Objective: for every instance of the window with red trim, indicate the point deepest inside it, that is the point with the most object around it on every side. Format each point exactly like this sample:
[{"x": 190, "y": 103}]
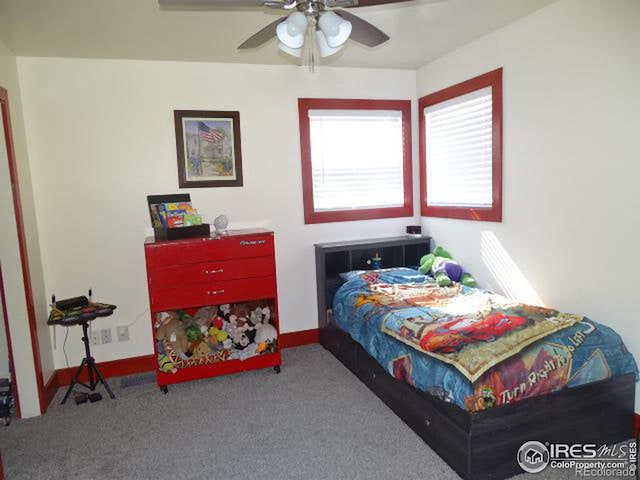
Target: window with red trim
[
  {"x": 461, "y": 150},
  {"x": 356, "y": 159}
]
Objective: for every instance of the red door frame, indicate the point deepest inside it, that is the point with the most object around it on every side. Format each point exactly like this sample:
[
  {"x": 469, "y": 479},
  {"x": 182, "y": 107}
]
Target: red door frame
[
  {"x": 22, "y": 243},
  {"x": 14, "y": 381}
]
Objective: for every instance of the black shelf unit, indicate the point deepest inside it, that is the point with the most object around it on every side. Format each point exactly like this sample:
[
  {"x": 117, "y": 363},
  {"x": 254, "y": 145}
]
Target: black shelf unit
[{"x": 335, "y": 258}]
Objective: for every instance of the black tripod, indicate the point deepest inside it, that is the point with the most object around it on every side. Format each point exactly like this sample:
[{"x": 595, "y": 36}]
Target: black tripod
[{"x": 95, "y": 377}]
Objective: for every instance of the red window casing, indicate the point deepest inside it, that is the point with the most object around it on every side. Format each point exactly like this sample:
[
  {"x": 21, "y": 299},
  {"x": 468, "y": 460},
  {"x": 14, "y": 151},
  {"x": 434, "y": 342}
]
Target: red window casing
[
  {"x": 491, "y": 79},
  {"x": 310, "y": 215}
]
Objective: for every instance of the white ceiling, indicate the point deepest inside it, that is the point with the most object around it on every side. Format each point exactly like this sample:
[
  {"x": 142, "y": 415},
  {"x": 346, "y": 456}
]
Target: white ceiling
[{"x": 420, "y": 30}]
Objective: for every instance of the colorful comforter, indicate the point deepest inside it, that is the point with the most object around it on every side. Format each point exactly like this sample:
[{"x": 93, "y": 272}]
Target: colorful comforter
[{"x": 471, "y": 347}]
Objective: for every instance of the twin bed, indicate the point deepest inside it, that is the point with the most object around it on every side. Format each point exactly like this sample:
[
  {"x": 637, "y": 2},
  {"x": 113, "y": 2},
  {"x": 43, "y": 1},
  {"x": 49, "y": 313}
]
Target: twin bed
[{"x": 474, "y": 374}]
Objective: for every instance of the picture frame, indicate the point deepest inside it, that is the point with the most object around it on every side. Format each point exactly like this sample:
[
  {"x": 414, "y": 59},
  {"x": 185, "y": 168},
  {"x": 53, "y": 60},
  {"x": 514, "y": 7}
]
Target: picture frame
[{"x": 208, "y": 147}]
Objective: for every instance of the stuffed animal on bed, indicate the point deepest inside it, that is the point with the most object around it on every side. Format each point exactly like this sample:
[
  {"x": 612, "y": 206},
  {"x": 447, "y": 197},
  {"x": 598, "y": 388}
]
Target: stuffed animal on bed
[{"x": 445, "y": 269}]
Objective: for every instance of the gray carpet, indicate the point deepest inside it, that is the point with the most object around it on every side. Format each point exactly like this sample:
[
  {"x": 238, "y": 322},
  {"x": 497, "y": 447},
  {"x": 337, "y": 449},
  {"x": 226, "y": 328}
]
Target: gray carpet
[{"x": 315, "y": 421}]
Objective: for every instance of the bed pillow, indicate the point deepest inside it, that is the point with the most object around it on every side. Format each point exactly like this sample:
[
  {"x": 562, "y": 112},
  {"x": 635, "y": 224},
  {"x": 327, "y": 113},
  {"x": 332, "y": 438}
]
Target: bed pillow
[{"x": 387, "y": 275}]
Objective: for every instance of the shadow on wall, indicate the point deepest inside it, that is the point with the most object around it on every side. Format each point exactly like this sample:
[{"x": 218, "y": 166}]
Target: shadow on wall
[{"x": 505, "y": 271}]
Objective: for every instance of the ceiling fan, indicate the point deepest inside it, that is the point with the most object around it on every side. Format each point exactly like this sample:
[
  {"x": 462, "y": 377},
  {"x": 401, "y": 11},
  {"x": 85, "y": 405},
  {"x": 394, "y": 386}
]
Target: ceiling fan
[{"x": 320, "y": 24}]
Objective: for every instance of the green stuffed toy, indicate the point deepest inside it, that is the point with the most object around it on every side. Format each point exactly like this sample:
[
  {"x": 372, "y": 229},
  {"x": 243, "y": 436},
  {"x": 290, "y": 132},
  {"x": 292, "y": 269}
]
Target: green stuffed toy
[
  {"x": 193, "y": 333},
  {"x": 165, "y": 364},
  {"x": 444, "y": 269}
]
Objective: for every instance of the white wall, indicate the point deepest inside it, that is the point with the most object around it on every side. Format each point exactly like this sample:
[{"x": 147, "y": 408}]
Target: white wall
[
  {"x": 10, "y": 255},
  {"x": 571, "y": 227},
  {"x": 101, "y": 137}
]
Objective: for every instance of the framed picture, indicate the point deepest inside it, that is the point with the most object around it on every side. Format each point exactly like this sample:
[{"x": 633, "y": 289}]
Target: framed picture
[{"x": 208, "y": 145}]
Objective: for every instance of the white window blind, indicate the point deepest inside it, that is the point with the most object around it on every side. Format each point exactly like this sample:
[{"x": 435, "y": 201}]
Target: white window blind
[
  {"x": 459, "y": 151},
  {"x": 356, "y": 159}
]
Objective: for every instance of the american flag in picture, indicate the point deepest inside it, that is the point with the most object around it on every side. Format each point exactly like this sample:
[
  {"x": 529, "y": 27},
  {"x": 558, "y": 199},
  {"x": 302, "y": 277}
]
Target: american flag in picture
[{"x": 208, "y": 134}]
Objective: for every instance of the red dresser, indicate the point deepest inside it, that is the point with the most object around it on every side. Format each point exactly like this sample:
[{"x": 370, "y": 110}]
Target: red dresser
[{"x": 198, "y": 272}]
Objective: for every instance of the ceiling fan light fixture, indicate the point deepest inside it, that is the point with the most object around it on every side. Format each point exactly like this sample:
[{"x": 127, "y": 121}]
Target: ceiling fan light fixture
[
  {"x": 323, "y": 47},
  {"x": 335, "y": 28},
  {"x": 294, "y": 52},
  {"x": 291, "y": 32}
]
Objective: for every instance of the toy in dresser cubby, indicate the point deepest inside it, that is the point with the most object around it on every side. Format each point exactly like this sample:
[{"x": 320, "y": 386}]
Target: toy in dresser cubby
[{"x": 214, "y": 305}]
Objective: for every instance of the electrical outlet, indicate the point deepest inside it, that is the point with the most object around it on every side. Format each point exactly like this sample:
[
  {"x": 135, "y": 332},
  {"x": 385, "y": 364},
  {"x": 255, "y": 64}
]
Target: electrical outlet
[
  {"x": 123, "y": 333},
  {"x": 106, "y": 335},
  {"x": 95, "y": 337}
]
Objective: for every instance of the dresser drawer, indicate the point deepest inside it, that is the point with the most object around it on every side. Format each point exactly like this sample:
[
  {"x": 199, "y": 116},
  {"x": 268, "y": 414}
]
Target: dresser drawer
[
  {"x": 212, "y": 293},
  {"x": 209, "y": 248},
  {"x": 191, "y": 273}
]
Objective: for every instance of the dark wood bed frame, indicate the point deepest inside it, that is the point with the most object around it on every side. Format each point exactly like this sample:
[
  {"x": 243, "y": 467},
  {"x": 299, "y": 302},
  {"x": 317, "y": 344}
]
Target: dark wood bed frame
[{"x": 477, "y": 445}]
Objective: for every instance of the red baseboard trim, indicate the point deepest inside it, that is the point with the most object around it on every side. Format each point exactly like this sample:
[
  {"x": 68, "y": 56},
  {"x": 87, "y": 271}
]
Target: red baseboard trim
[
  {"x": 148, "y": 363},
  {"x": 50, "y": 389},
  {"x": 302, "y": 337},
  {"x": 113, "y": 368}
]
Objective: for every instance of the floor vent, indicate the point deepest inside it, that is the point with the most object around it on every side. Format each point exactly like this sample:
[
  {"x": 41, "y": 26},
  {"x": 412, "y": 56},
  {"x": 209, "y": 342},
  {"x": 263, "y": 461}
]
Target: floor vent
[{"x": 136, "y": 380}]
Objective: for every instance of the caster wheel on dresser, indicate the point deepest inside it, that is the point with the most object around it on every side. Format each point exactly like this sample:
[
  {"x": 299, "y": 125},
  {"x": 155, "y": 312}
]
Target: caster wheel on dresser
[
  {"x": 276, "y": 369},
  {"x": 164, "y": 389}
]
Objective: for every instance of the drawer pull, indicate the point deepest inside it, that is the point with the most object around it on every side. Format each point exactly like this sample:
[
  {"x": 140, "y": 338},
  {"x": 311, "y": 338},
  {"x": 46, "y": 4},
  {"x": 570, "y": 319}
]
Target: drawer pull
[
  {"x": 211, "y": 272},
  {"x": 214, "y": 292}
]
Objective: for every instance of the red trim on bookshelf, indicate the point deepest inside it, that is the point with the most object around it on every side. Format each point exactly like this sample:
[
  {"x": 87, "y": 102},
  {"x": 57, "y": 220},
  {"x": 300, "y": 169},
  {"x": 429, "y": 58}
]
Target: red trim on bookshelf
[
  {"x": 148, "y": 363},
  {"x": 302, "y": 337},
  {"x": 310, "y": 215},
  {"x": 491, "y": 79},
  {"x": 22, "y": 244}
]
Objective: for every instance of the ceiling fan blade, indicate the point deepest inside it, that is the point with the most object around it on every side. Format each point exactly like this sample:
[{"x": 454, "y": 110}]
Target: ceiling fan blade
[
  {"x": 363, "y": 32},
  {"x": 370, "y": 3},
  {"x": 263, "y": 36},
  {"x": 208, "y": 4},
  {"x": 340, "y": 3}
]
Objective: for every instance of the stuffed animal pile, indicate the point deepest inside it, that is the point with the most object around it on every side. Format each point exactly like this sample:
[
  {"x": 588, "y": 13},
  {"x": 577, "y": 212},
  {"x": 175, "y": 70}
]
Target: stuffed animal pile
[
  {"x": 214, "y": 333},
  {"x": 444, "y": 269}
]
